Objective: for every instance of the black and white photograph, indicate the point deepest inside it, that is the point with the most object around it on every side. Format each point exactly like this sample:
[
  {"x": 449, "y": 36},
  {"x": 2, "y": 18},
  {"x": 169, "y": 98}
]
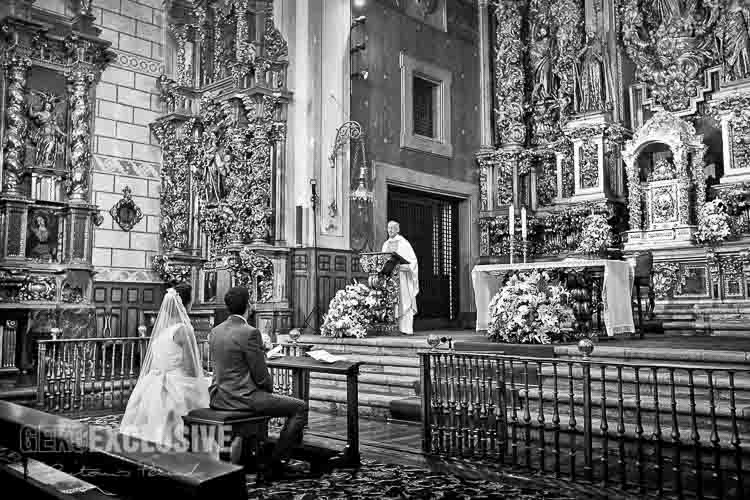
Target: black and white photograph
[{"x": 391, "y": 249}]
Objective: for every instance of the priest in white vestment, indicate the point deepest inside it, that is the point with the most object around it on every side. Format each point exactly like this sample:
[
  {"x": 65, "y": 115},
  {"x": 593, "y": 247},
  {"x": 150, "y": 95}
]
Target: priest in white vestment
[{"x": 408, "y": 278}]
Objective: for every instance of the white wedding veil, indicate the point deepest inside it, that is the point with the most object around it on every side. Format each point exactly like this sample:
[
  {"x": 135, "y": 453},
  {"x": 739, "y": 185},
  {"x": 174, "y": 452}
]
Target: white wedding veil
[{"x": 173, "y": 319}]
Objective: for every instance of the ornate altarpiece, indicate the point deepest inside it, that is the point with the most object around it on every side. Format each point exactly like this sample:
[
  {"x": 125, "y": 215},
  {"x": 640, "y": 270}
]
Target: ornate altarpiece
[
  {"x": 223, "y": 140},
  {"x": 50, "y": 67},
  {"x": 637, "y": 109}
]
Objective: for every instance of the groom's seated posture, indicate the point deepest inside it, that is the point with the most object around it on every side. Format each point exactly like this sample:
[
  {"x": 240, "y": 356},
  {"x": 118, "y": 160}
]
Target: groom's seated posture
[{"x": 241, "y": 381}]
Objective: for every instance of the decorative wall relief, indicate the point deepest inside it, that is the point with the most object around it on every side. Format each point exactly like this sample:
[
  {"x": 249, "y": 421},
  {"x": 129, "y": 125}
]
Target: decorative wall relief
[
  {"x": 38, "y": 289},
  {"x": 179, "y": 144},
  {"x": 509, "y": 73},
  {"x": 666, "y": 277},
  {"x": 546, "y": 184},
  {"x": 589, "y": 167},
  {"x": 125, "y": 212},
  {"x": 254, "y": 271},
  {"x": 671, "y": 43},
  {"x": 171, "y": 272}
]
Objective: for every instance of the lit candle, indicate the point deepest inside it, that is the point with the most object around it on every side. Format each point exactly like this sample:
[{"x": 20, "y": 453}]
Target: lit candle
[
  {"x": 523, "y": 223},
  {"x": 511, "y": 221}
]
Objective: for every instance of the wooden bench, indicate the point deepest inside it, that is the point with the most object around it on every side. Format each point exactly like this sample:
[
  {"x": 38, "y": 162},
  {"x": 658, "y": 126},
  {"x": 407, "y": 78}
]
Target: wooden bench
[
  {"x": 239, "y": 435},
  {"x": 129, "y": 464}
]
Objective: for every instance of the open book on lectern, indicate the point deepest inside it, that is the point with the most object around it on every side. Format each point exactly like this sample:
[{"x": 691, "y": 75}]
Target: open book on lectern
[{"x": 392, "y": 262}]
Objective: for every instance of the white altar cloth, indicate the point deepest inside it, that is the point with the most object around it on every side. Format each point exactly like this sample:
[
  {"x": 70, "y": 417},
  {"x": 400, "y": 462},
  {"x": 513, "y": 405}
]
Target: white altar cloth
[{"x": 616, "y": 289}]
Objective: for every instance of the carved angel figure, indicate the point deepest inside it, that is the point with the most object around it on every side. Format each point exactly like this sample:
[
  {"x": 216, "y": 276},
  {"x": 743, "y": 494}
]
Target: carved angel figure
[{"x": 48, "y": 136}]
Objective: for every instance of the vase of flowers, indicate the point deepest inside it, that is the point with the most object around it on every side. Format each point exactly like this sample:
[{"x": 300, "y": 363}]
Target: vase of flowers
[
  {"x": 596, "y": 236},
  {"x": 530, "y": 309},
  {"x": 713, "y": 224}
]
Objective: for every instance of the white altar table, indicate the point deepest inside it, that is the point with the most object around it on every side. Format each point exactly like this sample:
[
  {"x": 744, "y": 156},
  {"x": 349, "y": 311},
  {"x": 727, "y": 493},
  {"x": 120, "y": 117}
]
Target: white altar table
[{"x": 616, "y": 288}]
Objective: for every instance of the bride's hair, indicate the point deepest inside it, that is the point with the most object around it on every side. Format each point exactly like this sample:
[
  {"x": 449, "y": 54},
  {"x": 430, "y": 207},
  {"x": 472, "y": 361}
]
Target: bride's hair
[{"x": 185, "y": 291}]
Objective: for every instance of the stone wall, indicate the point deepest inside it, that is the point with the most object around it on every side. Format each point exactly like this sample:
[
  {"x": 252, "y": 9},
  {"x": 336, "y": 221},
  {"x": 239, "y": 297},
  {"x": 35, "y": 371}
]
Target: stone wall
[{"x": 125, "y": 153}]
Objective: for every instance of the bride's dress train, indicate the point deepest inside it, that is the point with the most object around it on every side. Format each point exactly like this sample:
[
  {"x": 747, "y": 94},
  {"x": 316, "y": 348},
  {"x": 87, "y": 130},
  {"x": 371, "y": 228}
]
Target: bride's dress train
[{"x": 164, "y": 395}]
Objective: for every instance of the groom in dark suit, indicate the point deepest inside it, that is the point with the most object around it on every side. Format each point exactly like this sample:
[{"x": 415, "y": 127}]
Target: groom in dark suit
[{"x": 241, "y": 381}]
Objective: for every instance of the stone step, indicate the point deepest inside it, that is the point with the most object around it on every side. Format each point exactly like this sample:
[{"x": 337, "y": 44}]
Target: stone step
[
  {"x": 667, "y": 356},
  {"x": 379, "y": 387},
  {"x": 724, "y": 431},
  {"x": 333, "y": 400},
  {"x": 648, "y": 406}
]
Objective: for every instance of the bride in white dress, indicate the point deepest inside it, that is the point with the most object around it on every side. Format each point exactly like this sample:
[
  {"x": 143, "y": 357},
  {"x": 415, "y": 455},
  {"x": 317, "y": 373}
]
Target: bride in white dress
[{"x": 171, "y": 382}]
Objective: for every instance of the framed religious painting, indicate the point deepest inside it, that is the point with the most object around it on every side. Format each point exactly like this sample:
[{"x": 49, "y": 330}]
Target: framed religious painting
[{"x": 42, "y": 235}]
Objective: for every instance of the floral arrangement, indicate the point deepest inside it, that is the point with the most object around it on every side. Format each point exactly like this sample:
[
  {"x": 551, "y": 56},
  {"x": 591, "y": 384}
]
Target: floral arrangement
[
  {"x": 529, "y": 309},
  {"x": 350, "y": 312},
  {"x": 596, "y": 234},
  {"x": 714, "y": 224},
  {"x": 169, "y": 272}
]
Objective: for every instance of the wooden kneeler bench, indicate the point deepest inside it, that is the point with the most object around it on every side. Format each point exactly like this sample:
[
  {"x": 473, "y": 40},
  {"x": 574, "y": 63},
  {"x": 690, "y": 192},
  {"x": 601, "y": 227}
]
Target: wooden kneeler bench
[{"x": 239, "y": 435}]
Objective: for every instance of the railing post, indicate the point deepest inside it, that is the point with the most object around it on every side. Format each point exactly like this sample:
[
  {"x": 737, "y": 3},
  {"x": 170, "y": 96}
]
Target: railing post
[
  {"x": 586, "y": 346},
  {"x": 41, "y": 370},
  {"x": 424, "y": 362}
]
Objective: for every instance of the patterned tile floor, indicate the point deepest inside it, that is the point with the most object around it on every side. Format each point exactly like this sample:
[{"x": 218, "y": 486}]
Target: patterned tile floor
[{"x": 392, "y": 467}]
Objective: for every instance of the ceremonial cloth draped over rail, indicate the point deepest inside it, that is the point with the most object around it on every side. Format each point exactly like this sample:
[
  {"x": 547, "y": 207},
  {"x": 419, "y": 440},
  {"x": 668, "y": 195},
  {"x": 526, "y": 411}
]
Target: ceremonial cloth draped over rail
[{"x": 616, "y": 288}]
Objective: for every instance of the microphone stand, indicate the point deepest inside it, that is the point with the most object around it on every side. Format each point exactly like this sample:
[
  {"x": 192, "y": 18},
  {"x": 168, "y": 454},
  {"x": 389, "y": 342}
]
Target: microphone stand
[{"x": 316, "y": 290}]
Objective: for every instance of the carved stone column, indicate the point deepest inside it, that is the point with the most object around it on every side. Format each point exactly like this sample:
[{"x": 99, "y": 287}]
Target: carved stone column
[
  {"x": 180, "y": 33},
  {"x": 485, "y": 96},
  {"x": 509, "y": 75},
  {"x": 80, "y": 77},
  {"x": 16, "y": 125}
]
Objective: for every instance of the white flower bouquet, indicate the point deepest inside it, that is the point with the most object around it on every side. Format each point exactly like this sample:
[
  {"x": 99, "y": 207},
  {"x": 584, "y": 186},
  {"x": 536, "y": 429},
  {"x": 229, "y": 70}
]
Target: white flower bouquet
[
  {"x": 350, "y": 312},
  {"x": 713, "y": 224},
  {"x": 529, "y": 309},
  {"x": 596, "y": 234}
]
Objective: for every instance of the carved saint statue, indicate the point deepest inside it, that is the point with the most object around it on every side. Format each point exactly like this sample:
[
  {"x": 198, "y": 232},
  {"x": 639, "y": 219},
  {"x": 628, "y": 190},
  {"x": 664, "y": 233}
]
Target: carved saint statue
[
  {"x": 736, "y": 43},
  {"x": 48, "y": 136},
  {"x": 541, "y": 63},
  {"x": 591, "y": 80},
  {"x": 213, "y": 175}
]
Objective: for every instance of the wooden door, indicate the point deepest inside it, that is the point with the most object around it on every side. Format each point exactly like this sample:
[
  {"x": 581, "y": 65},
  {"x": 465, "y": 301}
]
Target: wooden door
[{"x": 430, "y": 224}]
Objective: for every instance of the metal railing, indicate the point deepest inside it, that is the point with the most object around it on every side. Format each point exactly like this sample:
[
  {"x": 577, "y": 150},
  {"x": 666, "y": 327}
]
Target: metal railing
[
  {"x": 76, "y": 375},
  {"x": 656, "y": 428},
  {"x": 94, "y": 374}
]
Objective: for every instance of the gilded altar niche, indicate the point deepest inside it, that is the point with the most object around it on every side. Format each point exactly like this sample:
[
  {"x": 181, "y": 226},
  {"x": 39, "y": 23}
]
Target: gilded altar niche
[
  {"x": 223, "y": 138},
  {"x": 50, "y": 68}
]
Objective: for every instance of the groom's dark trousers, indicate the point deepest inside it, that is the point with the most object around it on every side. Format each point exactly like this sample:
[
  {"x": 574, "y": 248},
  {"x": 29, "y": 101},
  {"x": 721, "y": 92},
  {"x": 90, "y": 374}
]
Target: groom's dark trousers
[{"x": 241, "y": 382}]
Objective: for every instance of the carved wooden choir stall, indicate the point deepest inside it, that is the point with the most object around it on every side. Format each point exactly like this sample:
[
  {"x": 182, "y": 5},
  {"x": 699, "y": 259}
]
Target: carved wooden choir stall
[{"x": 49, "y": 71}]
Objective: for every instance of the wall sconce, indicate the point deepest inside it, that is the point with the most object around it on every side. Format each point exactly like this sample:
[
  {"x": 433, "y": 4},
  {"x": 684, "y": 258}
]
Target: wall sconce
[
  {"x": 363, "y": 74},
  {"x": 126, "y": 213}
]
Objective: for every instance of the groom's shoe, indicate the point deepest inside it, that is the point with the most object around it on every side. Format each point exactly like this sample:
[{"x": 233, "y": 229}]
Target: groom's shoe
[{"x": 276, "y": 471}]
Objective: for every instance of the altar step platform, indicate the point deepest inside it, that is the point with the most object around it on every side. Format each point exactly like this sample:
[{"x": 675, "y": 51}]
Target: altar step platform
[{"x": 389, "y": 379}]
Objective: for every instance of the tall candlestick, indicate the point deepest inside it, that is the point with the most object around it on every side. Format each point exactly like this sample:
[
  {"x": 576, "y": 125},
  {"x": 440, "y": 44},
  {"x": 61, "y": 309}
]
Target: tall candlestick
[
  {"x": 511, "y": 221},
  {"x": 511, "y": 229},
  {"x": 523, "y": 223}
]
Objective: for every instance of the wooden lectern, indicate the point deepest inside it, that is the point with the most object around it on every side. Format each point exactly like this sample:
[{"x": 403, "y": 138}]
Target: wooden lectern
[{"x": 383, "y": 271}]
